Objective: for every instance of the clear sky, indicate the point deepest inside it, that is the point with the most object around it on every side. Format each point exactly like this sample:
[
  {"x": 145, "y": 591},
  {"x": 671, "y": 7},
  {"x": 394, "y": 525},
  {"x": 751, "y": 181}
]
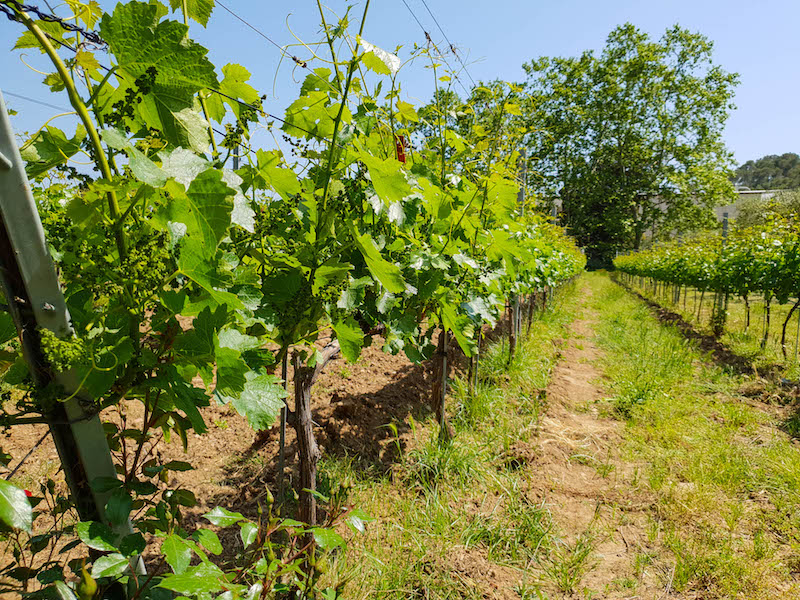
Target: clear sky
[{"x": 759, "y": 40}]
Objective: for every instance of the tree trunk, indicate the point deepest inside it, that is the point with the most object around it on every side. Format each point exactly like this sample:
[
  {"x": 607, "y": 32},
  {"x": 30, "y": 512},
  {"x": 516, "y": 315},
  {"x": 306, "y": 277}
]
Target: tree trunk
[
  {"x": 766, "y": 322},
  {"x": 512, "y": 333},
  {"x": 308, "y": 450},
  {"x": 746, "y": 299},
  {"x": 700, "y": 307},
  {"x": 785, "y": 325},
  {"x": 531, "y": 309},
  {"x": 439, "y": 388}
]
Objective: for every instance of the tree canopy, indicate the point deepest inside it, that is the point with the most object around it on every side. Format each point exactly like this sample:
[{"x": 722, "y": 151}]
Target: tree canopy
[
  {"x": 771, "y": 172},
  {"x": 630, "y": 139}
]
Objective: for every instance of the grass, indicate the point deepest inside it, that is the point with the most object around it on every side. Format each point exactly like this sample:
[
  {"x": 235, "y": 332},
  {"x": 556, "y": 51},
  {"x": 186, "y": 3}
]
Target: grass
[
  {"x": 743, "y": 339},
  {"x": 463, "y": 497},
  {"x": 725, "y": 479}
]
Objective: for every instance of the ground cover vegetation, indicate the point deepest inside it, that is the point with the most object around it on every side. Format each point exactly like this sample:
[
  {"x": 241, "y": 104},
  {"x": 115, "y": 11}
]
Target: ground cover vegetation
[
  {"x": 189, "y": 283},
  {"x": 725, "y": 274},
  {"x": 570, "y": 446},
  {"x": 715, "y": 446}
]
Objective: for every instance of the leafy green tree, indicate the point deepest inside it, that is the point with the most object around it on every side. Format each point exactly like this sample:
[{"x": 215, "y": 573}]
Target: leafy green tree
[
  {"x": 771, "y": 172},
  {"x": 630, "y": 139}
]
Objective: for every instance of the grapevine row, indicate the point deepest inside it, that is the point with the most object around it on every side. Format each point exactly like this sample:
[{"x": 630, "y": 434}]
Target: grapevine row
[
  {"x": 763, "y": 259},
  {"x": 367, "y": 217}
]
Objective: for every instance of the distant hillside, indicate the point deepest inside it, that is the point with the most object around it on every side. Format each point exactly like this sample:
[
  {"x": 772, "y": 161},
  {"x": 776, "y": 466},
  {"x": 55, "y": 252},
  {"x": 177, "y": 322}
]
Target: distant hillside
[{"x": 771, "y": 172}]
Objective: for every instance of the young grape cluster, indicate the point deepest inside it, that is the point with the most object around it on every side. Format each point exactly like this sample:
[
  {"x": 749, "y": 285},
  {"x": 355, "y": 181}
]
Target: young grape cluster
[{"x": 123, "y": 109}]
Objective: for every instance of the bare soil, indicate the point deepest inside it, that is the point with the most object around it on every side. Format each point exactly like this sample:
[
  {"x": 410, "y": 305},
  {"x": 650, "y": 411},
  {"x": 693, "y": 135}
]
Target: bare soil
[{"x": 592, "y": 492}]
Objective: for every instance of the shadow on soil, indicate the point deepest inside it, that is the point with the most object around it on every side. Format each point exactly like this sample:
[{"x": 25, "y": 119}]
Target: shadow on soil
[{"x": 369, "y": 429}]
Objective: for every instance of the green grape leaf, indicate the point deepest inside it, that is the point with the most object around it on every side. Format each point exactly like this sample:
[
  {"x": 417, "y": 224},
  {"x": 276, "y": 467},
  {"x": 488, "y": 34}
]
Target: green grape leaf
[
  {"x": 379, "y": 60},
  {"x": 205, "y": 208},
  {"x": 144, "y": 169},
  {"x": 388, "y": 178},
  {"x": 260, "y": 401},
  {"x": 233, "y": 338},
  {"x": 284, "y": 181},
  {"x": 233, "y": 84},
  {"x": 28, "y": 40},
  {"x": 193, "y": 263},
  {"x": 231, "y": 370},
  {"x": 331, "y": 273},
  {"x": 387, "y": 273},
  {"x": 199, "y": 342},
  {"x": 407, "y": 111},
  {"x": 313, "y": 116},
  {"x": 461, "y": 326},
  {"x": 198, "y": 10},
  {"x": 193, "y": 129},
  {"x": 88, "y": 13},
  {"x": 49, "y": 148},
  {"x": 183, "y": 165},
  {"x": 140, "y": 41},
  {"x": 15, "y": 510},
  {"x": 351, "y": 338},
  {"x": 187, "y": 398}
]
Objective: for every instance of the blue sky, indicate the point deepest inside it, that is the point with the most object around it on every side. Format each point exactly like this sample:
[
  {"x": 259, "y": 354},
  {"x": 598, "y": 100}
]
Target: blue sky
[{"x": 759, "y": 40}]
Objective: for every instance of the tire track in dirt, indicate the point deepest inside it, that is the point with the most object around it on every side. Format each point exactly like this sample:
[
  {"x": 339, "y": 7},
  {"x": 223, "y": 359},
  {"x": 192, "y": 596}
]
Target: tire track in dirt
[{"x": 591, "y": 491}]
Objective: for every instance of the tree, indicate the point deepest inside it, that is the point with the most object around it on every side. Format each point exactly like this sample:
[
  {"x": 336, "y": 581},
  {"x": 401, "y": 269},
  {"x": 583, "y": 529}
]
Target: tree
[
  {"x": 771, "y": 172},
  {"x": 630, "y": 140}
]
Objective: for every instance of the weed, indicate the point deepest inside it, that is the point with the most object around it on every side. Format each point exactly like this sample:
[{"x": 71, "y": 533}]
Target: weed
[
  {"x": 441, "y": 460},
  {"x": 566, "y": 564}
]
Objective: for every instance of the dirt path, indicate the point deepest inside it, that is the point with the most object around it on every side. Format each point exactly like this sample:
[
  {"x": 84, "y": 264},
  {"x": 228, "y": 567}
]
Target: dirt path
[{"x": 592, "y": 492}]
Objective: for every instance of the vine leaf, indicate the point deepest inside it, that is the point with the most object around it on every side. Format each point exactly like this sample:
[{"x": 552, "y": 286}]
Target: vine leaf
[
  {"x": 387, "y": 273},
  {"x": 50, "y": 148},
  {"x": 379, "y": 60},
  {"x": 231, "y": 371},
  {"x": 205, "y": 208},
  {"x": 260, "y": 402},
  {"x": 461, "y": 326},
  {"x": 193, "y": 263},
  {"x": 351, "y": 338},
  {"x": 198, "y": 10},
  {"x": 140, "y": 42},
  {"x": 388, "y": 178},
  {"x": 233, "y": 84}
]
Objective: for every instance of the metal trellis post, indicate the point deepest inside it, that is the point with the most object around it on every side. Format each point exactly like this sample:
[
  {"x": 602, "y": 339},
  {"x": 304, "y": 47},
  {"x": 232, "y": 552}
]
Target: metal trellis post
[{"x": 36, "y": 302}]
